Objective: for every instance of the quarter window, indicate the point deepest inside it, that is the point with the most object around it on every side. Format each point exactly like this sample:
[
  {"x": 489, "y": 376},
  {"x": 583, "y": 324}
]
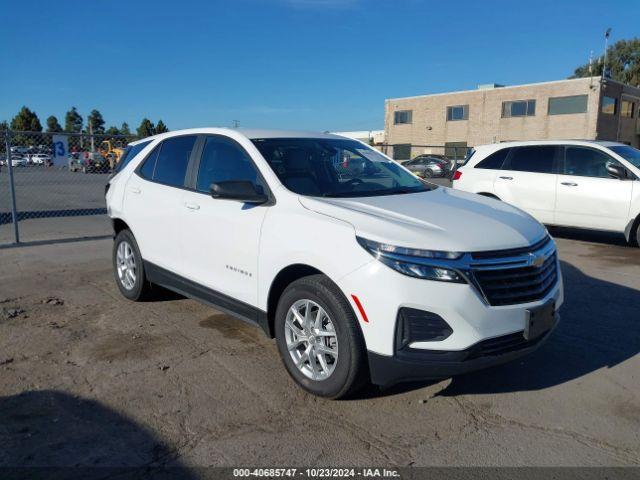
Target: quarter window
[
  {"x": 567, "y": 105},
  {"x": 168, "y": 162},
  {"x": 129, "y": 154},
  {"x": 494, "y": 161},
  {"x": 149, "y": 164},
  {"x": 402, "y": 116},
  {"x": 587, "y": 162},
  {"x": 222, "y": 160},
  {"x": 609, "y": 105},
  {"x": 538, "y": 159},
  {"x": 519, "y": 108},
  {"x": 627, "y": 108},
  {"x": 457, "y": 112}
]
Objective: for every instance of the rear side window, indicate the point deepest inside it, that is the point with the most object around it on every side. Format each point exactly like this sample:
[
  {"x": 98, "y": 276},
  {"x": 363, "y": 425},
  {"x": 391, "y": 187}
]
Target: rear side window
[
  {"x": 222, "y": 160},
  {"x": 538, "y": 159},
  {"x": 169, "y": 161},
  {"x": 129, "y": 154},
  {"x": 494, "y": 161}
]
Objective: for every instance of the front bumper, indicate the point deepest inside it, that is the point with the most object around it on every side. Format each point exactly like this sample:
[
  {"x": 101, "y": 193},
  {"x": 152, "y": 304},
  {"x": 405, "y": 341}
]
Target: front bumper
[{"x": 414, "y": 364}]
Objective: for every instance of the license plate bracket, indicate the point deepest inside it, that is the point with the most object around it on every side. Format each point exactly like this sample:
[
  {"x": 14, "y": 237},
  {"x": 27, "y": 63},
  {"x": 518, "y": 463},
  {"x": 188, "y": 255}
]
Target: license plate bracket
[{"x": 540, "y": 320}]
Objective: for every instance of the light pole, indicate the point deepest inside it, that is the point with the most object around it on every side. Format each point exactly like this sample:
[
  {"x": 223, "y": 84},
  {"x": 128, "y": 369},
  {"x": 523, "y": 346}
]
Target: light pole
[{"x": 606, "y": 42}]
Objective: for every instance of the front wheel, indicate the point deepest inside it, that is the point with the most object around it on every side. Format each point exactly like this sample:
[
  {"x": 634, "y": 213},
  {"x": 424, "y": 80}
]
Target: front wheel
[
  {"x": 319, "y": 339},
  {"x": 428, "y": 173}
]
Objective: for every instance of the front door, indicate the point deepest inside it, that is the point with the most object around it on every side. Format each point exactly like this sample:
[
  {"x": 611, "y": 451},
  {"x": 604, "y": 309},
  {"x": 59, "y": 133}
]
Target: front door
[
  {"x": 587, "y": 196},
  {"x": 221, "y": 238}
]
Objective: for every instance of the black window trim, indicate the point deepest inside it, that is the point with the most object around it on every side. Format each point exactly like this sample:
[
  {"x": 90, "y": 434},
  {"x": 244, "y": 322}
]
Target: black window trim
[
  {"x": 586, "y": 147},
  {"x": 555, "y": 169},
  {"x": 159, "y": 145},
  {"x": 193, "y": 174}
]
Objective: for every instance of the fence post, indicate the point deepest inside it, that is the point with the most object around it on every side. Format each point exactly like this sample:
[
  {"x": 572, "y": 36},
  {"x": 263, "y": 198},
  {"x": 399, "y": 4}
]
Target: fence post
[{"x": 14, "y": 211}]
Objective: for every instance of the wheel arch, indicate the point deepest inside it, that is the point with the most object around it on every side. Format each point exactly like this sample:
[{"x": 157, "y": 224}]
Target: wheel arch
[
  {"x": 118, "y": 225},
  {"x": 489, "y": 195}
]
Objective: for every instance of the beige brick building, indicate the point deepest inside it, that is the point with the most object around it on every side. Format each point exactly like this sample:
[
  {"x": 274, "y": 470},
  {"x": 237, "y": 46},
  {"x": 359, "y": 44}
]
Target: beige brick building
[{"x": 584, "y": 108}]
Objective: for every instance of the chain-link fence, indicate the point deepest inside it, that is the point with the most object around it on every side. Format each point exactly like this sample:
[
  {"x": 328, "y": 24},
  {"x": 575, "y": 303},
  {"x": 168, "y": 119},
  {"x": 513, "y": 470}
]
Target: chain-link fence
[{"x": 52, "y": 184}]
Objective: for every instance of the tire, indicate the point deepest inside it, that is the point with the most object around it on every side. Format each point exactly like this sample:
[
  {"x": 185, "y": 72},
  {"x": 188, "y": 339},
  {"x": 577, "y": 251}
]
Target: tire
[
  {"x": 337, "y": 375},
  {"x": 428, "y": 173},
  {"x": 138, "y": 288},
  {"x": 635, "y": 241}
]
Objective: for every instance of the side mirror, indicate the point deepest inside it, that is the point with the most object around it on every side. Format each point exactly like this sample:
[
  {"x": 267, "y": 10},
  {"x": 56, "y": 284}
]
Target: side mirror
[
  {"x": 616, "y": 171},
  {"x": 241, "y": 191}
]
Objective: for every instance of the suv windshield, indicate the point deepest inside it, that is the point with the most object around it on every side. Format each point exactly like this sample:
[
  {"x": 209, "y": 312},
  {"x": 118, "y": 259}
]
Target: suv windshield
[
  {"x": 630, "y": 154},
  {"x": 335, "y": 168}
]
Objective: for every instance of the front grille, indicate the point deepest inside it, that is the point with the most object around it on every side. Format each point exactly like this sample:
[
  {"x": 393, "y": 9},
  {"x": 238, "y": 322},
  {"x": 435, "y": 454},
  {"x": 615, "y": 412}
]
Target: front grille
[{"x": 509, "y": 281}]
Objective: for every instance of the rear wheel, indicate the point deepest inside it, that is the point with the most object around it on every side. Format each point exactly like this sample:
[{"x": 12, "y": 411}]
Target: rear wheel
[
  {"x": 129, "y": 268},
  {"x": 636, "y": 241},
  {"x": 428, "y": 173},
  {"x": 318, "y": 338}
]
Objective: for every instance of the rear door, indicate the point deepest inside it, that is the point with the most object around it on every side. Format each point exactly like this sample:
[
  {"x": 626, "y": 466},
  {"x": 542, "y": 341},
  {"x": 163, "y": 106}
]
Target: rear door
[
  {"x": 587, "y": 196},
  {"x": 153, "y": 201},
  {"x": 528, "y": 180}
]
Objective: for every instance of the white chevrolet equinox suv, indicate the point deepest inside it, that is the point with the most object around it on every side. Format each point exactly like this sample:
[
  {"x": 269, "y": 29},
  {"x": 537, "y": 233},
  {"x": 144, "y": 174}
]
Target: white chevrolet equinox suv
[
  {"x": 572, "y": 183},
  {"x": 361, "y": 271}
]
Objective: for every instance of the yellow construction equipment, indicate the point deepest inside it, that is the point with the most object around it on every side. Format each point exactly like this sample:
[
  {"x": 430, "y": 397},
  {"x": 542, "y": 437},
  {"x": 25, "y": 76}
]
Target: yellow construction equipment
[{"x": 112, "y": 151}]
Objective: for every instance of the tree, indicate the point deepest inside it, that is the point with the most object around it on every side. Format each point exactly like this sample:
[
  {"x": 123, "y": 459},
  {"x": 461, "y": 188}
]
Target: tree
[
  {"x": 52, "y": 125},
  {"x": 161, "y": 127},
  {"x": 623, "y": 62},
  {"x": 146, "y": 128},
  {"x": 26, "y": 120},
  {"x": 73, "y": 121},
  {"x": 124, "y": 129},
  {"x": 112, "y": 131},
  {"x": 4, "y": 125},
  {"x": 95, "y": 122}
]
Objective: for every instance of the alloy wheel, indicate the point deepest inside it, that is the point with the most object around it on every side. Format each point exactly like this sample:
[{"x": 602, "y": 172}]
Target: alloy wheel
[{"x": 126, "y": 265}]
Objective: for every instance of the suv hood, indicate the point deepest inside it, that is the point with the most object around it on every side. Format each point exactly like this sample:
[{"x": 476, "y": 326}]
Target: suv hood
[{"x": 440, "y": 219}]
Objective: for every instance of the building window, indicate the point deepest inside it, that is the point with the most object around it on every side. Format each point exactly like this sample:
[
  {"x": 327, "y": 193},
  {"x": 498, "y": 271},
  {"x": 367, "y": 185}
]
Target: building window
[
  {"x": 565, "y": 105},
  {"x": 458, "y": 112},
  {"x": 402, "y": 116},
  {"x": 402, "y": 151},
  {"x": 609, "y": 105},
  {"x": 519, "y": 108},
  {"x": 455, "y": 150},
  {"x": 627, "y": 108}
]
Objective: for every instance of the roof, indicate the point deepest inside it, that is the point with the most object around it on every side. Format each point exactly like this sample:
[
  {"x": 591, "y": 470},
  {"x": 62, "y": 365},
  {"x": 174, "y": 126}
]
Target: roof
[
  {"x": 602, "y": 143},
  {"x": 249, "y": 133}
]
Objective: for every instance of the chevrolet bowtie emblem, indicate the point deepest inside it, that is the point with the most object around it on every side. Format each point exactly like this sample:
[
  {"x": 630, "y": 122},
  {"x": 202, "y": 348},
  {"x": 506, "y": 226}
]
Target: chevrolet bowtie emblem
[{"x": 536, "y": 260}]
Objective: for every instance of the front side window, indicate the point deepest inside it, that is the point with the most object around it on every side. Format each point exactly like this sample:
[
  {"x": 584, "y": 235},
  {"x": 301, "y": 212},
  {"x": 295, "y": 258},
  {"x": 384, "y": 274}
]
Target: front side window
[
  {"x": 519, "y": 108},
  {"x": 168, "y": 162},
  {"x": 609, "y": 105},
  {"x": 568, "y": 105},
  {"x": 328, "y": 167},
  {"x": 458, "y": 112},
  {"x": 627, "y": 108},
  {"x": 222, "y": 161},
  {"x": 630, "y": 154},
  {"x": 587, "y": 162},
  {"x": 537, "y": 159},
  {"x": 402, "y": 116}
]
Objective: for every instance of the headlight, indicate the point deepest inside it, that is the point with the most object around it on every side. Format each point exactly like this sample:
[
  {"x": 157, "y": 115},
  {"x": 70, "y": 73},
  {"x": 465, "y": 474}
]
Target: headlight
[{"x": 425, "y": 264}]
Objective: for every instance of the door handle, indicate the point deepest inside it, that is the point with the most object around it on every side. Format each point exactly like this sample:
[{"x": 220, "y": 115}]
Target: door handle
[
  {"x": 135, "y": 190},
  {"x": 506, "y": 178},
  {"x": 569, "y": 184},
  {"x": 192, "y": 206}
]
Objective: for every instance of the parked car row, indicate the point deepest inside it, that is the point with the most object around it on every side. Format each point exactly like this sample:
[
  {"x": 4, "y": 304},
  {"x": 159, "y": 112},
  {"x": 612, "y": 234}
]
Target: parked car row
[
  {"x": 88, "y": 162},
  {"x": 25, "y": 160}
]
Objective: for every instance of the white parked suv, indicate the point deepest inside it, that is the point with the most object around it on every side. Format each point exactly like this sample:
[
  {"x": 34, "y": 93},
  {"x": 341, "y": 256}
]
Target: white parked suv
[
  {"x": 361, "y": 271},
  {"x": 583, "y": 184}
]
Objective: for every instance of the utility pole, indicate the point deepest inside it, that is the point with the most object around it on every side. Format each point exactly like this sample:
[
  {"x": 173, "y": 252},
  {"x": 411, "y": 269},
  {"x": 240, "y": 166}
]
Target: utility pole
[
  {"x": 606, "y": 43},
  {"x": 236, "y": 123}
]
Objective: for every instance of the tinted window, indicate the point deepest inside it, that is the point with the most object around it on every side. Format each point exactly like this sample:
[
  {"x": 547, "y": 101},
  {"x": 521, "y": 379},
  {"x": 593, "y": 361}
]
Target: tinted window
[
  {"x": 630, "y": 154},
  {"x": 495, "y": 160},
  {"x": 222, "y": 160},
  {"x": 564, "y": 105},
  {"x": 532, "y": 159},
  {"x": 173, "y": 159},
  {"x": 149, "y": 164},
  {"x": 458, "y": 112},
  {"x": 587, "y": 162},
  {"x": 402, "y": 116},
  {"x": 129, "y": 154},
  {"x": 609, "y": 105}
]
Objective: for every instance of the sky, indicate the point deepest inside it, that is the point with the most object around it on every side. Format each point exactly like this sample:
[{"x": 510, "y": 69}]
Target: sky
[{"x": 301, "y": 64}]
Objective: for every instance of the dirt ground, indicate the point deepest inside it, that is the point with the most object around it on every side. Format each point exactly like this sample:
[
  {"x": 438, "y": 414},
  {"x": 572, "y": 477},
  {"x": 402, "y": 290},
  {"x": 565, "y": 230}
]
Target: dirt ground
[{"x": 89, "y": 378}]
